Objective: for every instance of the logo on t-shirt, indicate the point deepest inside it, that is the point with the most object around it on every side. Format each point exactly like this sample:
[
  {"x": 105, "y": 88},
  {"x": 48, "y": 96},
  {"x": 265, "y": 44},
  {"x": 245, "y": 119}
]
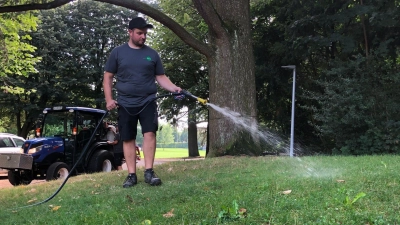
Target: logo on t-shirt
[{"x": 148, "y": 58}]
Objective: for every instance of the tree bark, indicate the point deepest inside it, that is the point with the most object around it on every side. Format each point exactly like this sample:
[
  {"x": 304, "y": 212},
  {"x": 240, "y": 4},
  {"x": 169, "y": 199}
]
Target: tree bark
[
  {"x": 192, "y": 134},
  {"x": 192, "y": 139}
]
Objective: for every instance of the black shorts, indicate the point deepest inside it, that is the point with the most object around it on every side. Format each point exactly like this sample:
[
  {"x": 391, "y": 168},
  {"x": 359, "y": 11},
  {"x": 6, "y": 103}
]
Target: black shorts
[
  {"x": 128, "y": 120},
  {"x": 118, "y": 157}
]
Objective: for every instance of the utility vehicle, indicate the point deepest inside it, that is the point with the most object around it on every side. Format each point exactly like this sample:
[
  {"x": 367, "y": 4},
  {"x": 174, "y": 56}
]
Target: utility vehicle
[{"x": 64, "y": 136}]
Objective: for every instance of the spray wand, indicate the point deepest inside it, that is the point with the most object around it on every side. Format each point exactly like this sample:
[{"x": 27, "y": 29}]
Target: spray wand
[{"x": 201, "y": 100}]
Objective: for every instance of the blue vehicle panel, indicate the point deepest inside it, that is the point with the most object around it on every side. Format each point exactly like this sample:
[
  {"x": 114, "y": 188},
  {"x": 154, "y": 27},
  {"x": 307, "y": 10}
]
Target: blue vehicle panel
[{"x": 47, "y": 146}]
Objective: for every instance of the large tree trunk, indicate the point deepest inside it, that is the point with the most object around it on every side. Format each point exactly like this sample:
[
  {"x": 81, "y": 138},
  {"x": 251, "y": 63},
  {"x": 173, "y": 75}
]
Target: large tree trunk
[{"x": 231, "y": 72}]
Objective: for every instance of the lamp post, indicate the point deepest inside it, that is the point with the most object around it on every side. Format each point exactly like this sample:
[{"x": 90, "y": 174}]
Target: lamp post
[{"x": 293, "y": 67}]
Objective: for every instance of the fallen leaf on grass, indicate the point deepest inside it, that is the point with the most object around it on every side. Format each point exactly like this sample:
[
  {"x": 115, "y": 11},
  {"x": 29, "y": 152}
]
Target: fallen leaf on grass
[
  {"x": 32, "y": 190},
  {"x": 146, "y": 222},
  {"x": 169, "y": 214},
  {"x": 95, "y": 193},
  {"x": 170, "y": 169},
  {"x": 243, "y": 212},
  {"x": 340, "y": 181},
  {"x": 286, "y": 192},
  {"x": 32, "y": 200},
  {"x": 55, "y": 208},
  {"x": 129, "y": 198}
]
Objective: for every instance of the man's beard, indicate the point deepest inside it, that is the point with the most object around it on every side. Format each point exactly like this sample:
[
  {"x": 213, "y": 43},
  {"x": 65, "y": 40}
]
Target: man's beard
[{"x": 138, "y": 43}]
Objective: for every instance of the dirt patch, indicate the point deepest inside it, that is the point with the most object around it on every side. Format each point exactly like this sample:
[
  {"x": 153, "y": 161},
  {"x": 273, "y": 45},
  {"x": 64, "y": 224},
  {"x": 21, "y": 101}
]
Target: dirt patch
[{"x": 4, "y": 183}]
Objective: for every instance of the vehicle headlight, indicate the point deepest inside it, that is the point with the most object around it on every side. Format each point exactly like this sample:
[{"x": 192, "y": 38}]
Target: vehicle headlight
[{"x": 36, "y": 149}]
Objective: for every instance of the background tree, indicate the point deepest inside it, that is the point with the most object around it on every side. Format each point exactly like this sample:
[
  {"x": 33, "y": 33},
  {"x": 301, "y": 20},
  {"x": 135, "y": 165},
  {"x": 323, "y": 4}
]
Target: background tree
[
  {"x": 16, "y": 61},
  {"x": 16, "y": 52},
  {"x": 74, "y": 42},
  {"x": 346, "y": 55},
  {"x": 139, "y": 136},
  {"x": 164, "y": 135},
  {"x": 357, "y": 71},
  {"x": 184, "y": 135},
  {"x": 273, "y": 48}
]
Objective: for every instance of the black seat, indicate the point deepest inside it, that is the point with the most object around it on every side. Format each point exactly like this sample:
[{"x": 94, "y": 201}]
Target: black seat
[{"x": 84, "y": 135}]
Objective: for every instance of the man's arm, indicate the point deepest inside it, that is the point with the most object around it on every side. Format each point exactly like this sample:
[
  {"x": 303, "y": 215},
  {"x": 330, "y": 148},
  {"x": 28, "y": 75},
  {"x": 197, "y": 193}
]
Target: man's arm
[
  {"x": 112, "y": 143},
  {"x": 107, "y": 87},
  {"x": 166, "y": 83}
]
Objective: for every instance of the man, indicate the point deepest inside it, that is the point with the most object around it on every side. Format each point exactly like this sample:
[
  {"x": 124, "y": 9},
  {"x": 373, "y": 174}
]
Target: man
[{"x": 137, "y": 67}]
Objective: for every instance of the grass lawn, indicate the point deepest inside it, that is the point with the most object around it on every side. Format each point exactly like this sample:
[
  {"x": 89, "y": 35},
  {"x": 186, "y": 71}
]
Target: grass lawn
[
  {"x": 227, "y": 190},
  {"x": 162, "y": 153}
]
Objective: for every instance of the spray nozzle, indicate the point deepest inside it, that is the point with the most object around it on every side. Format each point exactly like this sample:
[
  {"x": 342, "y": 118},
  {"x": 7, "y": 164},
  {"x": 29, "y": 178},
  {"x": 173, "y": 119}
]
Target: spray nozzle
[{"x": 202, "y": 101}]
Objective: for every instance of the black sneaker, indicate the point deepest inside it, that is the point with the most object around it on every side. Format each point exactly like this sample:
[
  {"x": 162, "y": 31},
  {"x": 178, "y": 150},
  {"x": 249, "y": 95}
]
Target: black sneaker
[
  {"x": 130, "y": 181},
  {"x": 151, "y": 178}
]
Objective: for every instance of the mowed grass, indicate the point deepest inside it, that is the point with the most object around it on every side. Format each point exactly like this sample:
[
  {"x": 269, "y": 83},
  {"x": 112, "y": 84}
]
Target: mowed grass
[
  {"x": 227, "y": 190},
  {"x": 162, "y": 153}
]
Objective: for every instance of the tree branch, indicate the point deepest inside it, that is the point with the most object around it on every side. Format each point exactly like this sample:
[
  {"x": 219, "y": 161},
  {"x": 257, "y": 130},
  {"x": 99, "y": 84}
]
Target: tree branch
[
  {"x": 136, "y": 5},
  {"x": 210, "y": 16},
  {"x": 28, "y": 7},
  {"x": 159, "y": 16}
]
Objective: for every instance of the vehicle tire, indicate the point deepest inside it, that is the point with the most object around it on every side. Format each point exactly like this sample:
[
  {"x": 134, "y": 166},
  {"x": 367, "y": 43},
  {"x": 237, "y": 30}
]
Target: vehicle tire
[
  {"x": 19, "y": 177},
  {"x": 101, "y": 161},
  {"x": 57, "y": 170}
]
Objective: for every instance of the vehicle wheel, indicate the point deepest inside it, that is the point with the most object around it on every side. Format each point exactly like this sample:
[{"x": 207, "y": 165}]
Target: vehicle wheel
[
  {"x": 101, "y": 161},
  {"x": 19, "y": 177},
  {"x": 57, "y": 170}
]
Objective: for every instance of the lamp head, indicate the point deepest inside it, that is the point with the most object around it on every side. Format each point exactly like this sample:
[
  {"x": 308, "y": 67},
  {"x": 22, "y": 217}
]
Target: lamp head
[{"x": 289, "y": 67}]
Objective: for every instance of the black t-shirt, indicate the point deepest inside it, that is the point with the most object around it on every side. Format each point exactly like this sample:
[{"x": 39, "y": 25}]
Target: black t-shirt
[{"x": 135, "y": 70}]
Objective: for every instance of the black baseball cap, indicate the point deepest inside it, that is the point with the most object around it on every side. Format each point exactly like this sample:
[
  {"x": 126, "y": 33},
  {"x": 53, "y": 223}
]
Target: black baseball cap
[{"x": 140, "y": 23}]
